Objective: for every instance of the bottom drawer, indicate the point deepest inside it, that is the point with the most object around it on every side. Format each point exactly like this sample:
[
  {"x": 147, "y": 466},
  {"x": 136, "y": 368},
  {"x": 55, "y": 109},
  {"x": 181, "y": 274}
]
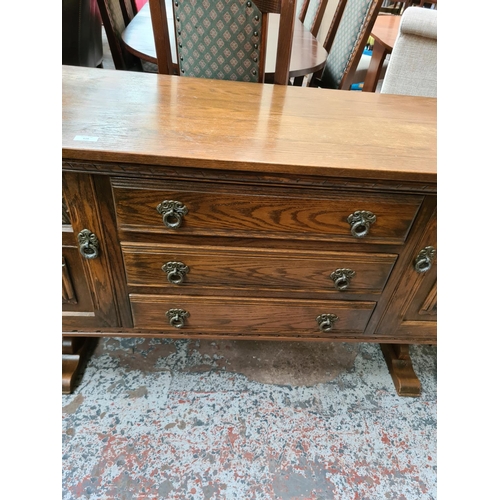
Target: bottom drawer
[{"x": 219, "y": 315}]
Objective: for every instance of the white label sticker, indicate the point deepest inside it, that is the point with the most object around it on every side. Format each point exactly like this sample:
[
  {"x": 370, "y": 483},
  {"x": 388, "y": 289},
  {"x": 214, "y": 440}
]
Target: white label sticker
[{"x": 87, "y": 138}]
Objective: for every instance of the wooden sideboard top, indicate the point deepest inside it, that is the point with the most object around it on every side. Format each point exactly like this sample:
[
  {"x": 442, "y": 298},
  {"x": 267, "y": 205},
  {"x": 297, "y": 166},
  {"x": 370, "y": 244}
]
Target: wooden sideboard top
[{"x": 127, "y": 117}]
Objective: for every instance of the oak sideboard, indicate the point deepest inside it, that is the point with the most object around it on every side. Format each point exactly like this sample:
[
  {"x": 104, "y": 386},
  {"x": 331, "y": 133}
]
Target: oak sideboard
[{"x": 195, "y": 208}]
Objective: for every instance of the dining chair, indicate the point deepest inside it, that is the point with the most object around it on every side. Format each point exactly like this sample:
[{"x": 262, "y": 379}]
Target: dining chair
[
  {"x": 393, "y": 7},
  {"x": 223, "y": 39},
  {"x": 300, "y": 9},
  {"x": 431, "y": 4},
  {"x": 345, "y": 41},
  {"x": 412, "y": 68},
  {"x": 116, "y": 16},
  {"x": 312, "y": 13}
]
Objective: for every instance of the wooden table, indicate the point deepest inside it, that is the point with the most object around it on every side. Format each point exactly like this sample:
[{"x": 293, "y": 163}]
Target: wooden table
[
  {"x": 308, "y": 55},
  {"x": 292, "y": 218},
  {"x": 385, "y": 32}
]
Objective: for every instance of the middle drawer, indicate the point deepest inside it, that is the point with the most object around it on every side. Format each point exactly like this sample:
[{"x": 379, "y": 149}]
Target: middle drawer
[{"x": 165, "y": 265}]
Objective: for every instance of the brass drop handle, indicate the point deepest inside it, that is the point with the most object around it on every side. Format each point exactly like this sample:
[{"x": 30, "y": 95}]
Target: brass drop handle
[
  {"x": 176, "y": 317},
  {"x": 326, "y": 321},
  {"x": 424, "y": 259},
  {"x": 89, "y": 244},
  {"x": 360, "y": 222},
  {"x": 176, "y": 271},
  {"x": 342, "y": 278},
  {"x": 172, "y": 212}
]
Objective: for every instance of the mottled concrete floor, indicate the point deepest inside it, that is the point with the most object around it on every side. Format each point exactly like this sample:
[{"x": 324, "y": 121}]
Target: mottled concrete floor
[{"x": 217, "y": 420}]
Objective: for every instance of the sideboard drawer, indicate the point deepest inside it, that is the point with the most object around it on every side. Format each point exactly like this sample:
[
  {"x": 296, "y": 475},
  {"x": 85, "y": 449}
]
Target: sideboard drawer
[
  {"x": 174, "y": 266},
  {"x": 229, "y": 315},
  {"x": 249, "y": 211}
]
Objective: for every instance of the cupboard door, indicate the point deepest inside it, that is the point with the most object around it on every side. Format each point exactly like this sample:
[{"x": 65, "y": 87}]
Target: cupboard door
[
  {"x": 412, "y": 313},
  {"x": 76, "y": 296},
  {"x": 87, "y": 290}
]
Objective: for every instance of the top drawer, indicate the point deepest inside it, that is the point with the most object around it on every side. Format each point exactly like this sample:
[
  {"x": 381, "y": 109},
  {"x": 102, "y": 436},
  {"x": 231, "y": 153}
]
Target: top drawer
[{"x": 252, "y": 211}]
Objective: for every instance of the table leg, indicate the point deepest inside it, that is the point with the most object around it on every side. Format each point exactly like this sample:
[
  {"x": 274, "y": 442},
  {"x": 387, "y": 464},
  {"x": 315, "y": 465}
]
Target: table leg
[
  {"x": 373, "y": 74},
  {"x": 397, "y": 357}
]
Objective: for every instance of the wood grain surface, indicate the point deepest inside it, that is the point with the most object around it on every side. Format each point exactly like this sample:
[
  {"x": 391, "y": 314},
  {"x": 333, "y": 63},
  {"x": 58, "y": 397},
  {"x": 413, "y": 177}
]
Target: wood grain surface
[
  {"x": 167, "y": 120},
  {"x": 245, "y": 211},
  {"x": 255, "y": 270},
  {"x": 269, "y": 175},
  {"x": 233, "y": 315}
]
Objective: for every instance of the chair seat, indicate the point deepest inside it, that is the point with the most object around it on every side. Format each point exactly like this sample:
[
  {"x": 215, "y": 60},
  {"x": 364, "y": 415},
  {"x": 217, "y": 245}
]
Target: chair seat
[{"x": 149, "y": 67}]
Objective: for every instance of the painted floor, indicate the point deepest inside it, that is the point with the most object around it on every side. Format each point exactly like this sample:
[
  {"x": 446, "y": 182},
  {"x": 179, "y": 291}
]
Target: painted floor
[{"x": 221, "y": 420}]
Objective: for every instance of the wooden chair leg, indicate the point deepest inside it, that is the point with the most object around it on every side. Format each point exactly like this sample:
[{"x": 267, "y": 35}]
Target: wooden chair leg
[
  {"x": 397, "y": 357},
  {"x": 315, "y": 79},
  {"x": 298, "y": 81}
]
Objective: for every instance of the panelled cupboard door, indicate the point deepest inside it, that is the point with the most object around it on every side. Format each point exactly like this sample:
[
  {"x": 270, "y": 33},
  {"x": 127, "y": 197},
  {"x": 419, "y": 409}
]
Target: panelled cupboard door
[
  {"x": 87, "y": 290},
  {"x": 76, "y": 296},
  {"x": 413, "y": 309}
]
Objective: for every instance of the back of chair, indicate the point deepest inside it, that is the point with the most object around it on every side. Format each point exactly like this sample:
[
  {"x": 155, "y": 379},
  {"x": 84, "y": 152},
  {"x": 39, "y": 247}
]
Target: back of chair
[
  {"x": 301, "y": 9},
  {"x": 311, "y": 14},
  {"x": 348, "y": 34},
  {"x": 412, "y": 68},
  {"x": 432, "y": 4},
  {"x": 393, "y": 7},
  {"x": 223, "y": 39},
  {"x": 116, "y": 15}
]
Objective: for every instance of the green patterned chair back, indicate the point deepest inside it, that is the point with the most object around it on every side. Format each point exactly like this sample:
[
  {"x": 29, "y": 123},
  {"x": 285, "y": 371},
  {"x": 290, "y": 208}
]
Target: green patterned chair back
[
  {"x": 301, "y": 9},
  {"x": 346, "y": 39},
  {"x": 218, "y": 39},
  {"x": 313, "y": 15}
]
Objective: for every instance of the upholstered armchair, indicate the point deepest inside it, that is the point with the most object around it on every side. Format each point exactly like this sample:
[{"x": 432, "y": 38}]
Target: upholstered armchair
[
  {"x": 81, "y": 33},
  {"x": 412, "y": 68}
]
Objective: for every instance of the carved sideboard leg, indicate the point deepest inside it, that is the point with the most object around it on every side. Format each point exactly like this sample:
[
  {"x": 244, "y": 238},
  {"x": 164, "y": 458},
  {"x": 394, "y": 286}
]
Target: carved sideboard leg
[
  {"x": 74, "y": 351},
  {"x": 397, "y": 357}
]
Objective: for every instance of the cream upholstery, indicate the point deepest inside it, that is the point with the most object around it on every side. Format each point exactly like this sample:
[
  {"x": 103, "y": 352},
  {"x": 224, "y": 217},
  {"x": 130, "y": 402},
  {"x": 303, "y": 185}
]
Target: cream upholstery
[{"x": 412, "y": 68}]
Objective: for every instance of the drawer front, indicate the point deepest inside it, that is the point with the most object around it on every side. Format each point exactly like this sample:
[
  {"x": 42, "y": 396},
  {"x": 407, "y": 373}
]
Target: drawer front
[
  {"x": 228, "y": 315},
  {"x": 175, "y": 266},
  {"x": 249, "y": 211}
]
